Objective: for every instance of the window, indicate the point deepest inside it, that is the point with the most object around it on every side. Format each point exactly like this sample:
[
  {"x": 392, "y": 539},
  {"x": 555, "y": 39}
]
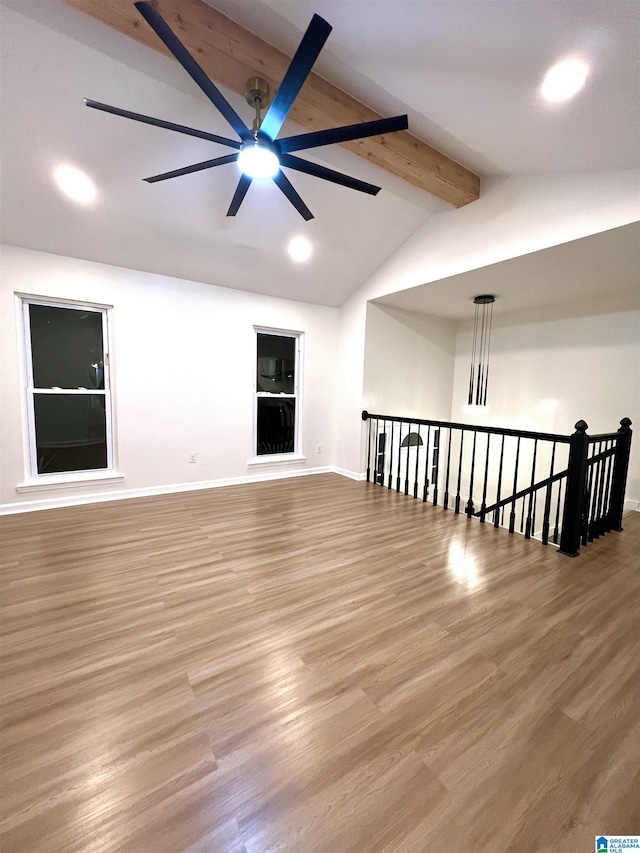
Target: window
[
  {"x": 68, "y": 394},
  {"x": 277, "y": 409}
]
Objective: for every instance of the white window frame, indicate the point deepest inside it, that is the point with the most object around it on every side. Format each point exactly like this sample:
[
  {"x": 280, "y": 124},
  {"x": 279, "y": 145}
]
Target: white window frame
[
  {"x": 32, "y": 474},
  {"x": 296, "y": 455}
]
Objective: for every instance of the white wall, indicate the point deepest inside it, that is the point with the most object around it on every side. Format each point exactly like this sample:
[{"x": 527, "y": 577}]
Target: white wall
[
  {"x": 550, "y": 368},
  {"x": 183, "y": 372},
  {"x": 408, "y": 363},
  {"x": 512, "y": 217}
]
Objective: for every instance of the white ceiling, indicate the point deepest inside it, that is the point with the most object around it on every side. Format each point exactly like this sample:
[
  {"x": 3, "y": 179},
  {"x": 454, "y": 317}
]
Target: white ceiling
[
  {"x": 602, "y": 265},
  {"x": 466, "y": 71}
]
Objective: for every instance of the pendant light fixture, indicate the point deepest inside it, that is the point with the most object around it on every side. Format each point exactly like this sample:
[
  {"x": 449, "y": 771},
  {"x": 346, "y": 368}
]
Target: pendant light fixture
[{"x": 479, "y": 374}]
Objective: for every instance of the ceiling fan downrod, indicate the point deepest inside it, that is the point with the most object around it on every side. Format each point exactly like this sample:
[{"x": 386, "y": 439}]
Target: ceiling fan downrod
[{"x": 258, "y": 96}]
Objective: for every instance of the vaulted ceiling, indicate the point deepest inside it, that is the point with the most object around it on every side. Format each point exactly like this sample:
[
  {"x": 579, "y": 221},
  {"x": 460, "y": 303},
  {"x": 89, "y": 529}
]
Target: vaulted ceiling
[{"x": 466, "y": 72}]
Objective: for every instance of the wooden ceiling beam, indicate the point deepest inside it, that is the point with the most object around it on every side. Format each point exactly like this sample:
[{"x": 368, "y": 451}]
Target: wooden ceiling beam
[{"x": 230, "y": 55}]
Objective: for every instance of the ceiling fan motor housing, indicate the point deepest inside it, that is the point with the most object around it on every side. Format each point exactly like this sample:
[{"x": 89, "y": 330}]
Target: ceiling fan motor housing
[{"x": 258, "y": 91}]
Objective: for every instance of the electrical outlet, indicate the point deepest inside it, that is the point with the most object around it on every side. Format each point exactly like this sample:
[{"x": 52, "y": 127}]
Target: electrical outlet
[
  {"x": 193, "y": 457},
  {"x": 318, "y": 448}
]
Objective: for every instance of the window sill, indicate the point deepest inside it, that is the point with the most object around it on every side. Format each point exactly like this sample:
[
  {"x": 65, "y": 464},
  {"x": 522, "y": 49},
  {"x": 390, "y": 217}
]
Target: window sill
[
  {"x": 69, "y": 481},
  {"x": 275, "y": 459}
]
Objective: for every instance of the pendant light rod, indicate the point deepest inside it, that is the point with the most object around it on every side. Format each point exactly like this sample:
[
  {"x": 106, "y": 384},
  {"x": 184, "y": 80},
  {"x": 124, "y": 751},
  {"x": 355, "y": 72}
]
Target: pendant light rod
[{"x": 479, "y": 372}]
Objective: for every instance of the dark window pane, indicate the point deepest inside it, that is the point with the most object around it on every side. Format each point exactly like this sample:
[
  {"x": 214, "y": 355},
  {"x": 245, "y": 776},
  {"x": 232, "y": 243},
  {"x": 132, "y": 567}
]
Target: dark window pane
[
  {"x": 276, "y": 425},
  {"x": 276, "y": 364},
  {"x": 70, "y": 432},
  {"x": 66, "y": 347}
]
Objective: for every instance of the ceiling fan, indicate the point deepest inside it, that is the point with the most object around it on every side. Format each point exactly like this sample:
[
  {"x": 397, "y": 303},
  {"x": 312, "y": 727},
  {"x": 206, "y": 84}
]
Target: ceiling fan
[{"x": 258, "y": 153}]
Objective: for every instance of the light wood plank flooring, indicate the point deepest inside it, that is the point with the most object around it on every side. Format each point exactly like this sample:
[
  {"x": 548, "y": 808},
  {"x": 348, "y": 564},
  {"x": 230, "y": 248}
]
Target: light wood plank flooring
[{"x": 313, "y": 665}]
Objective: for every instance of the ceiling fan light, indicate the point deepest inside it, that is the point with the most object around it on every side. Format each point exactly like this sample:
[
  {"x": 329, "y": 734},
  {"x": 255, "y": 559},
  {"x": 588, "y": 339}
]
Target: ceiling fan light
[{"x": 258, "y": 161}]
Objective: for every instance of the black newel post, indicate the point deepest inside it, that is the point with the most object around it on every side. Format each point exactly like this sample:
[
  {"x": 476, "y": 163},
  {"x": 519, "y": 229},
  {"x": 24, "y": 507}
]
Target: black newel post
[
  {"x": 620, "y": 468},
  {"x": 365, "y": 418},
  {"x": 575, "y": 492}
]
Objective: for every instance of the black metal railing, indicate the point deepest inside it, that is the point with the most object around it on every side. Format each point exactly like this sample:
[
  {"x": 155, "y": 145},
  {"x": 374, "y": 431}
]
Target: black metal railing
[{"x": 564, "y": 489}]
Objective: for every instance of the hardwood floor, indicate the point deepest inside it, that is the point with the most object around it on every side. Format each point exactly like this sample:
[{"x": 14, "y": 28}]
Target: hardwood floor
[{"x": 313, "y": 665}]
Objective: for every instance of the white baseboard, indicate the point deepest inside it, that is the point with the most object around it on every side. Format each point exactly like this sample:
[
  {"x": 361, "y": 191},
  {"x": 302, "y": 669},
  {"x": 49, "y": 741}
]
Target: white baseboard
[
  {"x": 352, "y": 475},
  {"x": 629, "y": 506},
  {"x": 126, "y": 494}
]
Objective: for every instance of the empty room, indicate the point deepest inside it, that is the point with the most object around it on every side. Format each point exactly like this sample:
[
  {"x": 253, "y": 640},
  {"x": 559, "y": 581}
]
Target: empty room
[{"x": 319, "y": 378}]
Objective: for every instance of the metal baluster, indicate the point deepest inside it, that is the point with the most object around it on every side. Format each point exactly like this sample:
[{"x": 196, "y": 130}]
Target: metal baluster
[
  {"x": 415, "y": 480},
  {"x": 457, "y": 503},
  {"x": 522, "y": 512},
  {"x": 483, "y": 505},
  {"x": 512, "y": 514},
  {"x": 595, "y": 515},
  {"x": 381, "y": 441},
  {"x": 609, "y": 485},
  {"x": 593, "y": 493},
  {"x": 528, "y": 530},
  {"x": 445, "y": 504},
  {"x": 406, "y": 472},
  {"x": 602, "y": 496},
  {"x": 556, "y": 529},
  {"x": 496, "y": 514},
  {"x": 598, "y": 474},
  {"x": 599, "y": 524},
  {"x": 606, "y": 524},
  {"x": 425, "y": 488},
  {"x": 523, "y": 505},
  {"x": 369, "y": 451},
  {"x": 547, "y": 501},
  {"x": 587, "y": 507},
  {"x": 399, "y": 456},
  {"x": 469, "y": 506},
  {"x": 390, "y": 482},
  {"x": 531, "y": 516},
  {"x": 436, "y": 464}
]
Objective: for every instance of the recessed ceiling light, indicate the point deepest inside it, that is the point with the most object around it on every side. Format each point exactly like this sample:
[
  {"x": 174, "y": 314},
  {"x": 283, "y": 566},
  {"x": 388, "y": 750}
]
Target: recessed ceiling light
[
  {"x": 564, "y": 80},
  {"x": 75, "y": 184},
  {"x": 299, "y": 249}
]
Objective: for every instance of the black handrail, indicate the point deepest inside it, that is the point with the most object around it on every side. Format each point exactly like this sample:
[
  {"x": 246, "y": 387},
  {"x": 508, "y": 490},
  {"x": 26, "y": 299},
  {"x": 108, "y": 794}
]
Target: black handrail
[
  {"x": 588, "y": 490},
  {"x": 476, "y": 427}
]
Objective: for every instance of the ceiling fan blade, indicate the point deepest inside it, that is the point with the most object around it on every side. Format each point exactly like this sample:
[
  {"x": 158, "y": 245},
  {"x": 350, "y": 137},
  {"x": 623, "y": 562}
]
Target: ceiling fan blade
[
  {"x": 197, "y": 167},
  {"x": 171, "y": 40},
  {"x": 312, "y": 43},
  {"x": 327, "y": 174},
  {"x": 158, "y": 122},
  {"x": 343, "y": 134},
  {"x": 285, "y": 185},
  {"x": 238, "y": 197}
]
